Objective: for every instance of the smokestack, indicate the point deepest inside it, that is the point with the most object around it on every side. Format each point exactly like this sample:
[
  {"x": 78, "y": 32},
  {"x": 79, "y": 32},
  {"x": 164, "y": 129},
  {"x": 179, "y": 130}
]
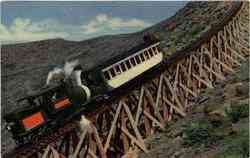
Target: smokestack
[{"x": 77, "y": 74}]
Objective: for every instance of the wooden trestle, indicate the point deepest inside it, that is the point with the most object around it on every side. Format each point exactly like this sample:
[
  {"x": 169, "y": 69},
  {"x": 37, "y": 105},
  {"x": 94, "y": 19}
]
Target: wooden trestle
[{"x": 139, "y": 114}]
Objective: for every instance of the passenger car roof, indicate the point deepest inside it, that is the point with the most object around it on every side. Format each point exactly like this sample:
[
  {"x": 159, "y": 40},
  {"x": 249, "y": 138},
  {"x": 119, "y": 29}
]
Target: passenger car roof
[{"x": 125, "y": 54}]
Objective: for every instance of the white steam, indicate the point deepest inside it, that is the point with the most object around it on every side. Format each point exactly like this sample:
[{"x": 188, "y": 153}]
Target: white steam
[
  {"x": 85, "y": 124},
  {"x": 69, "y": 67},
  {"x": 54, "y": 74},
  {"x": 62, "y": 73}
]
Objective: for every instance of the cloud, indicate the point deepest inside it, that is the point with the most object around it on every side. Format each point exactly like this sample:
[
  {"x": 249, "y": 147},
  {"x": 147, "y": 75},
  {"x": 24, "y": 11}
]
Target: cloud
[
  {"x": 103, "y": 22},
  {"x": 25, "y": 30}
]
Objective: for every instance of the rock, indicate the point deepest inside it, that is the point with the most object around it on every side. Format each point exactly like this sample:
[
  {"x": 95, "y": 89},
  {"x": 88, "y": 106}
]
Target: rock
[
  {"x": 242, "y": 89},
  {"x": 241, "y": 125},
  {"x": 179, "y": 153},
  {"x": 214, "y": 108},
  {"x": 218, "y": 109},
  {"x": 231, "y": 90}
]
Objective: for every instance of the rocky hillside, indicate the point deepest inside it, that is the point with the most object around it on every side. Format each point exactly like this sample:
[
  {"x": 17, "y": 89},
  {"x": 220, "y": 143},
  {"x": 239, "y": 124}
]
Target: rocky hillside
[
  {"x": 25, "y": 66},
  {"x": 217, "y": 126}
]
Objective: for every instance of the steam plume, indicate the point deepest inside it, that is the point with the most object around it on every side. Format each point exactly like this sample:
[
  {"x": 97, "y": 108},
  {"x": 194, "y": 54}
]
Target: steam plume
[
  {"x": 85, "y": 124},
  {"x": 69, "y": 67},
  {"x": 54, "y": 74},
  {"x": 62, "y": 73}
]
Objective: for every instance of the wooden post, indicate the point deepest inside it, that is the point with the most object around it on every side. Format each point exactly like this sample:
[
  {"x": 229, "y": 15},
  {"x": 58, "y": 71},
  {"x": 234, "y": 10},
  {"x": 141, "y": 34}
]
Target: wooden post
[
  {"x": 113, "y": 126},
  {"x": 123, "y": 135},
  {"x": 139, "y": 106},
  {"x": 146, "y": 121}
]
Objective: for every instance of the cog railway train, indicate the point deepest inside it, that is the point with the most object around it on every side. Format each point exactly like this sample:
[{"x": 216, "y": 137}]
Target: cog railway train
[{"x": 50, "y": 105}]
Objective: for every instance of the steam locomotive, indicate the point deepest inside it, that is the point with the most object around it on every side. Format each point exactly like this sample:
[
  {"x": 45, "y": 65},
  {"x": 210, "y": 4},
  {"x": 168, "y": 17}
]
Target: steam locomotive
[{"x": 49, "y": 106}]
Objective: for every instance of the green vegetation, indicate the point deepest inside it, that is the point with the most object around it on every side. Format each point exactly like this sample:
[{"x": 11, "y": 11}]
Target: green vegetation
[
  {"x": 237, "y": 111},
  {"x": 172, "y": 48},
  {"x": 236, "y": 146},
  {"x": 197, "y": 30},
  {"x": 168, "y": 125},
  {"x": 199, "y": 133},
  {"x": 207, "y": 132}
]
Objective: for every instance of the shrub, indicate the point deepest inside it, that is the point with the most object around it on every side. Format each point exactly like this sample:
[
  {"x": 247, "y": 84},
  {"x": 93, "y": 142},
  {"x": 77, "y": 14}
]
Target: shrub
[
  {"x": 236, "y": 146},
  {"x": 167, "y": 126},
  {"x": 199, "y": 133},
  {"x": 197, "y": 30},
  {"x": 236, "y": 112}
]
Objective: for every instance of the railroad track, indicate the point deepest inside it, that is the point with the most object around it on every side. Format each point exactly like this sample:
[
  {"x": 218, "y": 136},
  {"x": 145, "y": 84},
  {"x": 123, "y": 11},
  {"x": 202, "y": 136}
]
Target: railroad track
[{"x": 123, "y": 123}]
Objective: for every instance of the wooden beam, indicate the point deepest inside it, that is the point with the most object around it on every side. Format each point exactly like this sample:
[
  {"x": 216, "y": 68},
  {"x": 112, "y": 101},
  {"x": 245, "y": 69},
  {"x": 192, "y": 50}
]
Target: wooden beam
[
  {"x": 46, "y": 152},
  {"x": 151, "y": 101},
  {"x": 124, "y": 138},
  {"x": 92, "y": 148},
  {"x": 112, "y": 126},
  {"x": 139, "y": 106},
  {"x": 174, "y": 107},
  {"x": 188, "y": 90},
  {"x": 232, "y": 59},
  {"x": 146, "y": 121},
  {"x": 138, "y": 143},
  {"x": 153, "y": 119},
  {"x": 91, "y": 152},
  {"x": 98, "y": 142},
  {"x": 219, "y": 76},
  {"x": 189, "y": 77},
  {"x": 137, "y": 133},
  {"x": 165, "y": 107},
  {"x": 201, "y": 71},
  {"x": 54, "y": 152},
  {"x": 82, "y": 137},
  {"x": 159, "y": 91},
  {"x": 235, "y": 53},
  {"x": 224, "y": 65},
  {"x": 203, "y": 81},
  {"x": 173, "y": 93},
  {"x": 219, "y": 62}
]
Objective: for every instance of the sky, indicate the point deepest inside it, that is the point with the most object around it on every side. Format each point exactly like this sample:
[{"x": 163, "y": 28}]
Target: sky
[{"x": 23, "y": 21}]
